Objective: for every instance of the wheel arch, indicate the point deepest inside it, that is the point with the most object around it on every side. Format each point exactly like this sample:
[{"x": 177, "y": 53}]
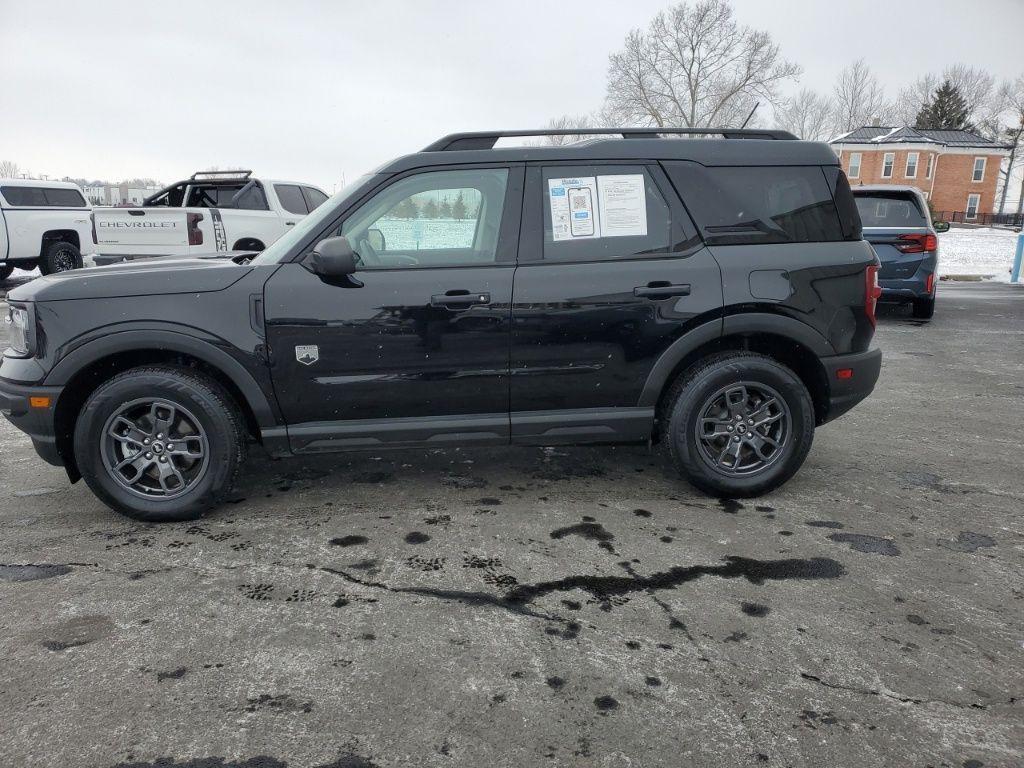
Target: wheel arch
[
  {"x": 248, "y": 244},
  {"x": 51, "y": 236}
]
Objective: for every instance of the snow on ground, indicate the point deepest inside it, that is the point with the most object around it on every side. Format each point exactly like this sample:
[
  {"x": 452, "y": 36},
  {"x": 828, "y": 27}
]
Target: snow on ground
[{"x": 984, "y": 251}]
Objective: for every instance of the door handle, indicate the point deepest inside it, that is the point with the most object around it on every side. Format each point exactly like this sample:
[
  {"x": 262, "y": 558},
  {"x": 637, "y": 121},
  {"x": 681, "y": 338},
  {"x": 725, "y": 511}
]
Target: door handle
[
  {"x": 661, "y": 289},
  {"x": 289, "y": 223},
  {"x": 460, "y": 298}
]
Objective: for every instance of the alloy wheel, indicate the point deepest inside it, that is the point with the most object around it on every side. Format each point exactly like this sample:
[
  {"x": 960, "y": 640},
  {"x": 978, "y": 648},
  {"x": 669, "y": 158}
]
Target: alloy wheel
[{"x": 743, "y": 429}]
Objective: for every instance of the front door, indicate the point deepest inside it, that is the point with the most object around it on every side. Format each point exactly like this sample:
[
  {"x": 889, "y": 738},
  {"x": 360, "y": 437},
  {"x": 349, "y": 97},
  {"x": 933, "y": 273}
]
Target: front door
[{"x": 414, "y": 347}]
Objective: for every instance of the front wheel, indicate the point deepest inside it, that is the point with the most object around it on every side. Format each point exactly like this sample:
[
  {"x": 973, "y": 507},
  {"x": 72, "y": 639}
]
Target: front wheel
[
  {"x": 159, "y": 443},
  {"x": 60, "y": 256},
  {"x": 739, "y": 424}
]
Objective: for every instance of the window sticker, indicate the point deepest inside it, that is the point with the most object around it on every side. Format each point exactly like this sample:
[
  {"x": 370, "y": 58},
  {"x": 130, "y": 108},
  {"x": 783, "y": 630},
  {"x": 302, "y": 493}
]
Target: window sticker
[
  {"x": 574, "y": 213},
  {"x": 589, "y": 207},
  {"x": 623, "y": 205}
]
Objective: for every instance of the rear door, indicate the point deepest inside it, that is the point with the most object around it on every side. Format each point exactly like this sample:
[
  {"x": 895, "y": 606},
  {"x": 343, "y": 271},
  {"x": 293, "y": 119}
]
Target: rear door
[
  {"x": 611, "y": 272},
  {"x": 894, "y": 223}
]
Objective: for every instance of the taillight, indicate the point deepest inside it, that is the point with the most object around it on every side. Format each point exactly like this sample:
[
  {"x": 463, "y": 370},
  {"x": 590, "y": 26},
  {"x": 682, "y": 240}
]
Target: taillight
[
  {"x": 916, "y": 243},
  {"x": 872, "y": 292},
  {"x": 195, "y": 234},
  {"x": 92, "y": 219}
]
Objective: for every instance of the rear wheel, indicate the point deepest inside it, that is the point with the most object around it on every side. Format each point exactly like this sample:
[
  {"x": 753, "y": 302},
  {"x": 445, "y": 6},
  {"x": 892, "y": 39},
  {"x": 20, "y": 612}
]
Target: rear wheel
[
  {"x": 739, "y": 424},
  {"x": 924, "y": 308},
  {"x": 159, "y": 444},
  {"x": 60, "y": 256}
]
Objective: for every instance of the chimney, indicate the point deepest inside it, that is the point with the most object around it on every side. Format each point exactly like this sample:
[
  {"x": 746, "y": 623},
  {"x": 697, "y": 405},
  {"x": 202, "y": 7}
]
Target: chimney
[{"x": 875, "y": 122}]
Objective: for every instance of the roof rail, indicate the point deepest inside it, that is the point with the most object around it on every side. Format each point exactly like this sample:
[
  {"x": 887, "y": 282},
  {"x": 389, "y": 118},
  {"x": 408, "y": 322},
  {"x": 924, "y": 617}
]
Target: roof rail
[
  {"x": 215, "y": 175},
  {"x": 487, "y": 139}
]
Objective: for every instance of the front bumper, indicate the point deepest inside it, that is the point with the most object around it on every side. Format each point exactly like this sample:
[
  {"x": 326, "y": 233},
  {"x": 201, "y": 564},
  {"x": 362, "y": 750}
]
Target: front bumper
[
  {"x": 36, "y": 422},
  {"x": 844, "y": 393}
]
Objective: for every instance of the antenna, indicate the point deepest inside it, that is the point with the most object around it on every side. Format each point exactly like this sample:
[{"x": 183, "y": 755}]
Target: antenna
[{"x": 758, "y": 104}]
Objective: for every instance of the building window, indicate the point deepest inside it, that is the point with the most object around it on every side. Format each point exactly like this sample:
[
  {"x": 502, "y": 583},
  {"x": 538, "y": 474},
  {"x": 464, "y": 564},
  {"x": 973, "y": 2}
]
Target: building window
[
  {"x": 973, "y": 201},
  {"x": 911, "y": 170},
  {"x": 931, "y": 165},
  {"x": 888, "y": 160},
  {"x": 979, "y": 169},
  {"x": 855, "y": 165}
]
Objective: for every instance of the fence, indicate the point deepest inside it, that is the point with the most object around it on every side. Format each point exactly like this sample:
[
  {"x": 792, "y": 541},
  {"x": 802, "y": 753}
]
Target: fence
[{"x": 985, "y": 219}]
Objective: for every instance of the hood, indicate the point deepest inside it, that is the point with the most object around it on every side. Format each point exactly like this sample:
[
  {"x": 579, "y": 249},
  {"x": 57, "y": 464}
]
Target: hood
[{"x": 146, "y": 277}]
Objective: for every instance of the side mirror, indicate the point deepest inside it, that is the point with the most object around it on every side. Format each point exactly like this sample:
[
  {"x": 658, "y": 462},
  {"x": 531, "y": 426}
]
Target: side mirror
[
  {"x": 941, "y": 226},
  {"x": 376, "y": 239},
  {"x": 333, "y": 257}
]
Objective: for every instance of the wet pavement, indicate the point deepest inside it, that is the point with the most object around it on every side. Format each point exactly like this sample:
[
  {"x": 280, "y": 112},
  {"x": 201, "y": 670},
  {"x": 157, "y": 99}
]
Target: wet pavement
[{"x": 578, "y": 607}]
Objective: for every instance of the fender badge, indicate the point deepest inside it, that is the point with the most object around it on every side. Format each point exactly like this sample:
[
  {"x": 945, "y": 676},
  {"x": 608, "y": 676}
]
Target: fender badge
[{"x": 307, "y": 354}]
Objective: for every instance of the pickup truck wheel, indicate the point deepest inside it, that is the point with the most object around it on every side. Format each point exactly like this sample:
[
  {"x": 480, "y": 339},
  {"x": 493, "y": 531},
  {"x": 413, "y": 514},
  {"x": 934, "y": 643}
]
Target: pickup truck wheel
[
  {"x": 5, "y": 271},
  {"x": 739, "y": 424},
  {"x": 159, "y": 443},
  {"x": 60, "y": 256}
]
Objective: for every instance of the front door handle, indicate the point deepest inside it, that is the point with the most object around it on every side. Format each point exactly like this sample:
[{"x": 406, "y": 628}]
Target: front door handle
[
  {"x": 460, "y": 298},
  {"x": 661, "y": 289}
]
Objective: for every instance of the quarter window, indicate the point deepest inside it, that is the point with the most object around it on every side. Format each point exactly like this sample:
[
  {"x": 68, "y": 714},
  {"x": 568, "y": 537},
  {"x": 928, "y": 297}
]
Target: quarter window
[
  {"x": 911, "y": 170},
  {"x": 44, "y": 197},
  {"x": 855, "y": 158},
  {"x": 979, "y": 169},
  {"x": 973, "y": 202},
  {"x": 888, "y": 160},
  {"x": 435, "y": 219}
]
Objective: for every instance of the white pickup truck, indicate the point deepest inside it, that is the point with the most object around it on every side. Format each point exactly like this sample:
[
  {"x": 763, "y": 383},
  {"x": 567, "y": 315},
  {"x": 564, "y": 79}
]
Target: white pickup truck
[
  {"x": 42, "y": 223},
  {"x": 211, "y": 211}
]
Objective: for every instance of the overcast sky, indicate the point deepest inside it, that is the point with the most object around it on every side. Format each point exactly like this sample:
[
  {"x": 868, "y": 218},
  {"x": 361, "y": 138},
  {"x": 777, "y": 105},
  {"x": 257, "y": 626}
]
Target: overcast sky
[{"x": 321, "y": 91}]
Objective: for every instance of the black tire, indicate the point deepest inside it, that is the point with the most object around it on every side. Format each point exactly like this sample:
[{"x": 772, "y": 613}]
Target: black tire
[
  {"x": 693, "y": 397},
  {"x": 60, "y": 256},
  {"x": 217, "y": 434},
  {"x": 924, "y": 309},
  {"x": 6, "y": 270}
]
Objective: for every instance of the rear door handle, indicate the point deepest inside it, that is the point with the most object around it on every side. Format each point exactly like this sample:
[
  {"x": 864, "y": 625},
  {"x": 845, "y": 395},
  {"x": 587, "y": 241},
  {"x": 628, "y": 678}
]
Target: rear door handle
[
  {"x": 661, "y": 290},
  {"x": 460, "y": 298}
]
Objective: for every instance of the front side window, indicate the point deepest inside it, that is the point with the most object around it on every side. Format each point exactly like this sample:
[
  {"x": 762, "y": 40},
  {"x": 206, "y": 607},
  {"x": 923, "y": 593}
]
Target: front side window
[
  {"x": 911, "y": 170},
  {"x": 764, "y": 204},
  {"x": 602, "y": 213},
  {"x": 888, "y": 160},
  {"x": 291, "y": 198},
  {"x": 434, "y": 219},
  {"x": 973, "y": 202},
  {"x": 44, "y": 197},
  {"x": 855, "y": 158},
  {"x": 314, "y": 198},
  {"x": 979, "y": 169}
]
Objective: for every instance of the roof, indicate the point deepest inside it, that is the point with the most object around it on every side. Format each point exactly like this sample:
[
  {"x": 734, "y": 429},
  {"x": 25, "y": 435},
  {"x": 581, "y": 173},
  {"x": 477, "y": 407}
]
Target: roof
[
  {"x": 703, "y": 151},
  {"x": 49, "y": 183},
  {"x": 871, "y": 134}
]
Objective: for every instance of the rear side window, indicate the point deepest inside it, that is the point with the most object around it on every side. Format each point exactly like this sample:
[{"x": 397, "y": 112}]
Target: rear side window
[
  {"x": 291, "y": 198},
  {"x": 603, "y": 212},
  {"x": 890, "y": 209},
  {"x": 767, "y": 204},
  {"x": 44, "y": 197}
]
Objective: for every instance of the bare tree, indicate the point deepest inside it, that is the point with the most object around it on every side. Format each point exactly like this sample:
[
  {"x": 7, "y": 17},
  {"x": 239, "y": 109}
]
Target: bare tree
[
  {"x": 977, "y": 87},
  {"x": 8, "y": 169},
  {"x": 567, "y": 122},
  {"x": 694, "y": 67},
  {"x": 1011, "y": 94},
  {"x": 859, "y": 99},
  {"x": 808, "y": 115}
]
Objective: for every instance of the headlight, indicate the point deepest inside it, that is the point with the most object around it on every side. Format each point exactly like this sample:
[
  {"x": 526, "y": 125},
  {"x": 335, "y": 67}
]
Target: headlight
[{"x": 19, "y": 330}]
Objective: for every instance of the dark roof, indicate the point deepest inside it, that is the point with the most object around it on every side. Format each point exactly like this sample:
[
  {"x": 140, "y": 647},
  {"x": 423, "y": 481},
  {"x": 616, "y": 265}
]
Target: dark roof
[
  {"x": 870, "y": 134},
  {"x": 703, "y": 151}
]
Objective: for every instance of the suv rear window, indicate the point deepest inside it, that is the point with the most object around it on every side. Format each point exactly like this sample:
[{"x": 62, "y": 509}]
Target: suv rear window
[
  {"x": 890, "y": 209},
  {"x": 44, "y": 197},
  {"x": 764, "y": 204}
]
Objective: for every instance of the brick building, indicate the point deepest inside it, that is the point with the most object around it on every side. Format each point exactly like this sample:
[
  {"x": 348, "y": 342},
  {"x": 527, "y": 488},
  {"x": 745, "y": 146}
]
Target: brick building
[{"x": 958, "y": 171}]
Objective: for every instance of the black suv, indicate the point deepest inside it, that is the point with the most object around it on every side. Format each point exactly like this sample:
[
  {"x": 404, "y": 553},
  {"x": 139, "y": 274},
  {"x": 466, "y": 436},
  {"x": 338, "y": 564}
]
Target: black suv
[{"x": 713, "y": 295}]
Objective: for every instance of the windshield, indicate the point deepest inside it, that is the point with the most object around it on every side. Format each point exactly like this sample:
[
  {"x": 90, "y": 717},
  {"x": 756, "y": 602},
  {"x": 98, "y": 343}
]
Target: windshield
[
  {"x": 890, "y": 209},
  {"x": 279, "y": 248}
]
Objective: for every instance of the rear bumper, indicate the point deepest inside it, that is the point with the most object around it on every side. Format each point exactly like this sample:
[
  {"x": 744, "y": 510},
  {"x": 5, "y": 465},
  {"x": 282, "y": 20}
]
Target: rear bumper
[
  {"x": 37, "y": 423},
  {"x": 913, "y": 287},
  {"x": 844, "y": 393}
]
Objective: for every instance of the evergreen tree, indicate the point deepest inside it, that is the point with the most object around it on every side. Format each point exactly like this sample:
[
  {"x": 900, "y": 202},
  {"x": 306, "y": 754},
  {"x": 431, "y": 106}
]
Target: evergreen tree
[
  {"x": 430, "y": 210},
  {"x": 445, "y": 211},
  {"x": 407, "y": 209},
  {"x": 459, "y": 208},
  {"x": 948, "y": 110}
]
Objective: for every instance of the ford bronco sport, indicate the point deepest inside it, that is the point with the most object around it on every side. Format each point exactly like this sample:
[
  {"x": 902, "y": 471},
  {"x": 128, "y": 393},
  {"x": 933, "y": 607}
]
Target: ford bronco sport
[{"x": 711, "y": 295}]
